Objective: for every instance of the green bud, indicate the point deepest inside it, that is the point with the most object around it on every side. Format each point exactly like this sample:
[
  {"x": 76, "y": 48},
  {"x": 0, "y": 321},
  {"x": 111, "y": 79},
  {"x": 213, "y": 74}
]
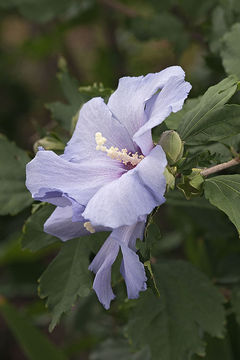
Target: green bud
[{"x": 172, "y": 146}]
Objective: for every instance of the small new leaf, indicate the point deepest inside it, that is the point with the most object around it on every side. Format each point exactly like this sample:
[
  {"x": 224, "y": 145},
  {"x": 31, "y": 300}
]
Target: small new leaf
[{"x": 191, "y": 185}]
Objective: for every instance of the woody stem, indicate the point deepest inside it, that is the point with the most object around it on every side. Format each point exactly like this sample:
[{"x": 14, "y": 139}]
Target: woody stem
[{"x": 220, "y": 167}]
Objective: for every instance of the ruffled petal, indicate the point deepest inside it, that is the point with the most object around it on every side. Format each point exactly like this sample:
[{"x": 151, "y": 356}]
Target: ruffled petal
[
  {"x": 60, "y": 224},
  {"x": 134, "y": 195},
  {"x": 49, "y": 174},
  {"x": 127, "y": 103},
  {"x": 158, "y": 108},
  {"x": 101, "y": 266},
  {"x": 95, "y": 117}
]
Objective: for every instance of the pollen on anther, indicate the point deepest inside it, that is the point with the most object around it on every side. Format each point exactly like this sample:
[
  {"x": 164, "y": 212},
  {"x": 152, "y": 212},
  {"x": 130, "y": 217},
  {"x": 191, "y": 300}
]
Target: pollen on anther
[
  {"x": 114, "y": 153},
  {"x": 88, "y": 226}
]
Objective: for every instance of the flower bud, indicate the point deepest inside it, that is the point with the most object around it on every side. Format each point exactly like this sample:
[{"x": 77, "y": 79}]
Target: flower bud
[{"x": 172, "y": 146}]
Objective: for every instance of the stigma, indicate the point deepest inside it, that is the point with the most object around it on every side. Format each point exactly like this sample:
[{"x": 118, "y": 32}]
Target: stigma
[
  {"x": 88, "y": 226},
  {"x": 114, "y": 153}
]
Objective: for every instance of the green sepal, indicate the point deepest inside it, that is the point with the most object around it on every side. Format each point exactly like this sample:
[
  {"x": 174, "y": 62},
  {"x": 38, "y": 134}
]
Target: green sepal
[{"x": 191, "y": 185}]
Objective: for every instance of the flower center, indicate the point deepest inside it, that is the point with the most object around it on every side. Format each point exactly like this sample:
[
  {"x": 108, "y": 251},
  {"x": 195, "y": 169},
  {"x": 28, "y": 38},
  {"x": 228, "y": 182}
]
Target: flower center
[{"x": 114, "y": 153}]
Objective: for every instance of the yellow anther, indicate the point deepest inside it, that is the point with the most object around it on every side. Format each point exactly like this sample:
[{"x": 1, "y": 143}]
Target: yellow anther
[
  {"x": 88, "y": 226},
  {"x": 114, "y": 153}
]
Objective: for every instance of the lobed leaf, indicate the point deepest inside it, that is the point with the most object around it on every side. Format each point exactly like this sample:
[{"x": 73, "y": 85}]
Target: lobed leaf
[
  {"x": 173, "y": 324},
  {"x": 66, "y": 278}
]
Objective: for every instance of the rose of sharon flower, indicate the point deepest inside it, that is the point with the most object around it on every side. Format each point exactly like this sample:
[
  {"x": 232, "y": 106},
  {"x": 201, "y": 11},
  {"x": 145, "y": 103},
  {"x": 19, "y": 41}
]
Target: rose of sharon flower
[{"x": 111, "y": 175}]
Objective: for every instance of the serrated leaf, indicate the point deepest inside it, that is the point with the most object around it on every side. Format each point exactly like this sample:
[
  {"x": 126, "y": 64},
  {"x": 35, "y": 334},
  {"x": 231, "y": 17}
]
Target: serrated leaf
[
  {"x": 196, "y": 119},
  {"x": 222, "y": 123},
  {"x": 34, "y": 343},
  {"x": 66, "y": 278},
  {"x": 33, "y": 236},
  {"x": 173, "y": 324},
  {"x": 223, "y": 191},
  {"x": 230, "y": 51},
  {"x": 14, "y": 196}
]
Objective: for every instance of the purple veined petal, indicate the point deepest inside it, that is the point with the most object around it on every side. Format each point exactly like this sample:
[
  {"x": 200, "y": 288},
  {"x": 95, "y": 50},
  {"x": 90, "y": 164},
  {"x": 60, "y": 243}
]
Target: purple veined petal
[
  {"x": 61, "y": 224},
  {"x": 102, "y": 266},
  {"x": 135, "y": 194},
  {"x": 95, "y": 117},
  {"x": 48, "y": 173},
  {"x": 127, "y": 103},
  {"x": 158, "y": 108}
]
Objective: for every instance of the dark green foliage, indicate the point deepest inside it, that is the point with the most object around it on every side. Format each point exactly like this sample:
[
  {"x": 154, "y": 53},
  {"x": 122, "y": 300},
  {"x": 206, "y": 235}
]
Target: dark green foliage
[
  {"x": 160, "y": 322},
  {"x": 14, "y": 196},
  {"x": 33, "y": 237}
]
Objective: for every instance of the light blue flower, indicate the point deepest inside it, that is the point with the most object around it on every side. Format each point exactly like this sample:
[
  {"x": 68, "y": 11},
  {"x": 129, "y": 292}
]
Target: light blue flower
[{"x": 111, "y": 176}]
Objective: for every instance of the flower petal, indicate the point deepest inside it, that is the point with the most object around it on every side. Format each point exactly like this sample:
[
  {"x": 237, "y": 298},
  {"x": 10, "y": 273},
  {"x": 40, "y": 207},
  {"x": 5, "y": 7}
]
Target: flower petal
[
  {"x": 133, "y": 272},
  {"x": 127, "y": 200},
  {"x": 60, "y": 224},
  {"x": 158, "y": 108},
  {"x": 132, "y": 269},
  {"x": 127, "y": 103},
  {"x": 101, "y": 266},
  {"x": 49, "y": 174},
  {"x": 95, "y": 117}
]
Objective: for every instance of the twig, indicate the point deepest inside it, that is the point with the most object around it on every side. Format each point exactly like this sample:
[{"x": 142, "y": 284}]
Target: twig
[{"x": 220, "y": 167}]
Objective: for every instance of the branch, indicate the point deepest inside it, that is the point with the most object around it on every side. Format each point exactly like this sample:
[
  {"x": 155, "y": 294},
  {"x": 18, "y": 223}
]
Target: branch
[{"x": 220, "y": 167}]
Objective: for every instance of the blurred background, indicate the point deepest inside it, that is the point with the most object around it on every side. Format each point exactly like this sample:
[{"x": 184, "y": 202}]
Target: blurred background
[{"x": 100, "y": 41}]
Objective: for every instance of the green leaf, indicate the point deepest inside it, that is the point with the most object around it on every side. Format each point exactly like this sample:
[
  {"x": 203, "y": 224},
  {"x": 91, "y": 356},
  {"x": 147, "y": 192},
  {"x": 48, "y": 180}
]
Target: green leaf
[
  {"x": 76, "y": 96},
  {"x": 196, "y": 119},
  {"x": 224, "y": 192},
  {"x": 231, "y": 50},
  {"x": 174, "y": 120},
  {"x": 222, "y": 123},
  {"x": 173, "y": 324},
  {"x": 191, "y": 185},
  {"x": 33, "y": 236},
  {"x": 66, "y": 278},
  {"x": 118, "y": 349},
  {"x": 64, "y": 113},
  {"x": 34, "y": 343},
  {"x": 14, "y": 196},
  {"x": 235, "y": 301}
]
